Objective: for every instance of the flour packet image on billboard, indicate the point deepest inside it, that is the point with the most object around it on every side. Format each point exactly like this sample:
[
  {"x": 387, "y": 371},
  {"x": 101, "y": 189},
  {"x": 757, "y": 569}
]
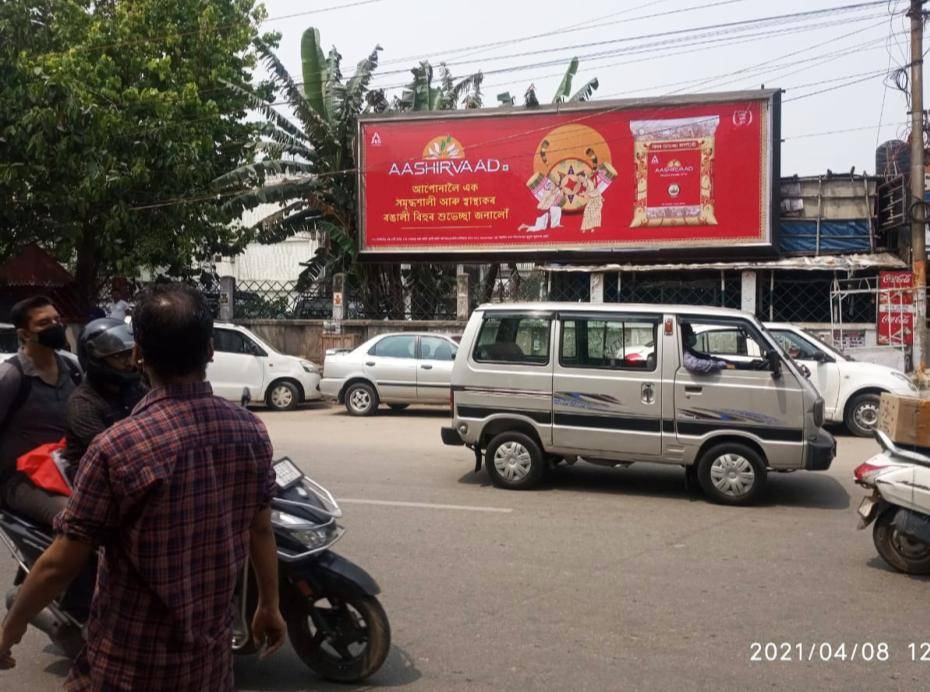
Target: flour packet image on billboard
[{"x": 674, "y": 169}]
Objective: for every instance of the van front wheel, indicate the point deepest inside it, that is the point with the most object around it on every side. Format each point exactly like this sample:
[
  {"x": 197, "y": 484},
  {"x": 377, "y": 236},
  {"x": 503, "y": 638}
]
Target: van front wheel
[
  {"x": 514, "y": 461},
  {"x": 731, "y": 474}
]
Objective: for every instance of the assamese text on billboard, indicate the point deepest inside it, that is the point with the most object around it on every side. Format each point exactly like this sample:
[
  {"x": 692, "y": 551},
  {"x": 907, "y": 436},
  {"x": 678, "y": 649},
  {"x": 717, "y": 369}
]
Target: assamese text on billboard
[{"x": 653, "y": 176}]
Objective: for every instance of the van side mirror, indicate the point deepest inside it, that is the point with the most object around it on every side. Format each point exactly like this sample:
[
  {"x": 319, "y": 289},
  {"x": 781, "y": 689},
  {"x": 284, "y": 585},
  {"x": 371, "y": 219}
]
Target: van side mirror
[
  {"x": 821, "y": 357},
  {"x": 774, "y": 361},
  {"x": 806, "y": 371}
]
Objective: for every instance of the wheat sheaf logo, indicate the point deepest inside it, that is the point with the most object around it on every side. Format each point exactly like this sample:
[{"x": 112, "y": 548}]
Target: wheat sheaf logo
[{"x": 443, "y": 148}]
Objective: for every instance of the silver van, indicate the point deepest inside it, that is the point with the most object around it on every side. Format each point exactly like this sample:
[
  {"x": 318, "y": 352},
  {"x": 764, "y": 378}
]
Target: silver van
[{"x": 538, "y": 383}]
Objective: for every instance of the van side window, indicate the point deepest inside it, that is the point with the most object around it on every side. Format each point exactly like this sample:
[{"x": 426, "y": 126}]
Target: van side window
[
  {"x": 614, "y": 343},
  {"x": 730, "y": 342},
  {"x": 513, "y": 339}
]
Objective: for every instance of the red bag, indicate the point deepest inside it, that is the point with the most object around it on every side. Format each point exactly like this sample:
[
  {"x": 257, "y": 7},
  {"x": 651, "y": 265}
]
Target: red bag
[{"x": 42, "y": 466}]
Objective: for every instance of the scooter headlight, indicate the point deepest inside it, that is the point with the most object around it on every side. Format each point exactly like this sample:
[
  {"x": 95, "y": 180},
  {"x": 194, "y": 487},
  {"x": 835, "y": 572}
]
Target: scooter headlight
[
  {"x": 317, "y": 539},
  {"x": 310, "y": 535}
]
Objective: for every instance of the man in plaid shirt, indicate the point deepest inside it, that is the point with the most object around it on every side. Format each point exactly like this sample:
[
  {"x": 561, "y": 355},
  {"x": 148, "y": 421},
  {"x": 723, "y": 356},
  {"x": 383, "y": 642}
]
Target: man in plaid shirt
[{"x": 176, "y": 494}]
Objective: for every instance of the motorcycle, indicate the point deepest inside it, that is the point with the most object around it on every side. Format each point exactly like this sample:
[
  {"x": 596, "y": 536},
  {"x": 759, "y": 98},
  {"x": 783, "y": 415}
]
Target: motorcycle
[
  {"x": 334, "y": 619},
  {"x": 899, "y": 505}
]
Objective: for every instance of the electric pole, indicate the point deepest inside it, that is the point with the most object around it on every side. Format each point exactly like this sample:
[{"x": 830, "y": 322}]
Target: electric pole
[{"x": 918, "y": 240}]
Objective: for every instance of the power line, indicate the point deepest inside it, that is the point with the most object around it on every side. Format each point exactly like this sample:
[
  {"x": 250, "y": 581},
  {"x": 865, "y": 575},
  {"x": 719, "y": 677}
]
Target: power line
[
  {"x": 749, "y": 23},
  {"x": 321, "y": 10},
  {"x": 206, "y": 29},
  {"x": 583, "y": 26},
  {"x": 727, "y": 39}
]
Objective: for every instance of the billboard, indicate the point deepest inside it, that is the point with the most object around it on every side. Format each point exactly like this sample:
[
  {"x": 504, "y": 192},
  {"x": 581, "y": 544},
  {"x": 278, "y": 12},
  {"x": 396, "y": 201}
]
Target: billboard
[{"x": 667, "y": 175}]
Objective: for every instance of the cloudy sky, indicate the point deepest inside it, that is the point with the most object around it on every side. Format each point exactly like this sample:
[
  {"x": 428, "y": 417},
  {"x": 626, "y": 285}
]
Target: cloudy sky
[{"x": 832, "y": 65}]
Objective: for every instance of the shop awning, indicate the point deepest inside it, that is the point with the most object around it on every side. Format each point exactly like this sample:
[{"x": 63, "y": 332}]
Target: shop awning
[{"x": 881, "y": 260}]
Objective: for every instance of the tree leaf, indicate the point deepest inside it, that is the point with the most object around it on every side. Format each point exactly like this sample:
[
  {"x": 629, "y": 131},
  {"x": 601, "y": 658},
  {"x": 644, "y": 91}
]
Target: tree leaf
[{"x": 565, "y": 86}]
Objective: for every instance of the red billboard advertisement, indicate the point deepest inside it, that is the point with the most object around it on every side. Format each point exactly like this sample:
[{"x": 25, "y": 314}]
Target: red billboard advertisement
[
  {"x": 644, "y": 175},
  {"x": 895, "y": 308}
]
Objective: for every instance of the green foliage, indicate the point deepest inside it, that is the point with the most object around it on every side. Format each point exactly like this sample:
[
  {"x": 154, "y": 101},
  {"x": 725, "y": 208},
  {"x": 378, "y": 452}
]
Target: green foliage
[
  {"x": 111, "y": 113},
  {"x": 306, "y": 166}
]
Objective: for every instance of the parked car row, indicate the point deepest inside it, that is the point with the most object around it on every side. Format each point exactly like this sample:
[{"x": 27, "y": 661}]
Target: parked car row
[{"x": 399, "y": 369}]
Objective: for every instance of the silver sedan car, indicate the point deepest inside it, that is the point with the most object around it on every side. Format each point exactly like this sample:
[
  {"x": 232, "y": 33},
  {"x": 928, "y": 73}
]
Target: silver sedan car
[{"x": 394, "y": 369}]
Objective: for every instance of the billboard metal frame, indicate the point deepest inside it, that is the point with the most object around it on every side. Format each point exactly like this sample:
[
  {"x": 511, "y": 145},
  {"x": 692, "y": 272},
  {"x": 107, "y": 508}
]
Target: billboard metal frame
[{"x": 770, "y": 200}]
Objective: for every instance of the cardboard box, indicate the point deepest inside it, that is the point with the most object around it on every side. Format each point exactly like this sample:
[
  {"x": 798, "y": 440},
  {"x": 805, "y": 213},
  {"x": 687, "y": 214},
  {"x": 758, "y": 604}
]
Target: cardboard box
[{"x": 906, "y": 420}]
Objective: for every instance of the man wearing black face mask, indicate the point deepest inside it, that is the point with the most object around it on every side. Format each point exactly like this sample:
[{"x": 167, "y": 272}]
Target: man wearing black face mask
[
  {"x": 34, "y": 389},
  {"x": 111, "y": 388}
]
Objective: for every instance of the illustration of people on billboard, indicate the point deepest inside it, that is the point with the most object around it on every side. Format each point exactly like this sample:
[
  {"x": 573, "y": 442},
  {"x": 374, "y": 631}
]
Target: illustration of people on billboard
[
  {"x": 674, "y": 169},
  {"x": 549, "y": 198},
  {"x": 572, "y": 170}
]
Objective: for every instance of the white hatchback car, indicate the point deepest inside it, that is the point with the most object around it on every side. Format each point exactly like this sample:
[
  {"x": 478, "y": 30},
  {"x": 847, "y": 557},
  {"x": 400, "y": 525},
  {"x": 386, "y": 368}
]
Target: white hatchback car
[
  {"x": 243, "y": 361},
  {"x": 394, "y": 369},
  {"x": 9, "y": 342},
  {"x": 851, "y": 389}
]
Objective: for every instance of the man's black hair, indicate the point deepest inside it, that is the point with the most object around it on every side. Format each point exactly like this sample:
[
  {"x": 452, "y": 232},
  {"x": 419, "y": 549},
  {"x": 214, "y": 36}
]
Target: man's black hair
[
  {"x": 173, "y": 327},
  {"x": 22, "y": 311}
]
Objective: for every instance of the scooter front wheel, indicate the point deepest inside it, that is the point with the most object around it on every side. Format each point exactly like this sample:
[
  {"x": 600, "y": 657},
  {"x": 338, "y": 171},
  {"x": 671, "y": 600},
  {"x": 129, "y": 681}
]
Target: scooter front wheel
[
  {"x": 342, "y": 635},
  {"x": 903, "y": 553}
]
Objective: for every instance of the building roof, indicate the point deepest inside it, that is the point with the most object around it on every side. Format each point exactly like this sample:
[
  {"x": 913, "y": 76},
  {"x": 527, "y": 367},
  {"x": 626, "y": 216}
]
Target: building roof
[
  {"x": 33, "y": 266},
  {"x": 883, "y": 260}
]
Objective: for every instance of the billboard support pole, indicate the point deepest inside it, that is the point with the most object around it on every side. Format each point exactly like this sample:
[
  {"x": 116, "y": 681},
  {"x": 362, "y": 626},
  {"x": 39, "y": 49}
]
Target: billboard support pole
[
  {"x": 597, "y": 287},
  {"x": 918, "y": 223},
  {"x": 461, "y": 294}
]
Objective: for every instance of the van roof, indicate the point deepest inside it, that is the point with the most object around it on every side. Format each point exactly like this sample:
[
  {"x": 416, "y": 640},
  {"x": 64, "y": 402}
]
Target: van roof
[{"x": 650, "y": 308}]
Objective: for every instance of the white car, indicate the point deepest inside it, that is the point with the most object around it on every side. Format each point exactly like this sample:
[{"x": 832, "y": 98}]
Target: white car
[
  {"x": 243, "y": 361},
  {"x": 851, "y": 390},
  {"x": 393, "y": 369},
  {"x": 9, "y": 342}
]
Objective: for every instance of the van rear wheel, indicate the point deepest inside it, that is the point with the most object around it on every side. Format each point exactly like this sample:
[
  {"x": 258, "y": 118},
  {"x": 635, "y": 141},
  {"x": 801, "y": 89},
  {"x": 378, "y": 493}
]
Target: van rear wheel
[
  {"x": 731, "y": 474},
  {"x": 514, "y": 461}
]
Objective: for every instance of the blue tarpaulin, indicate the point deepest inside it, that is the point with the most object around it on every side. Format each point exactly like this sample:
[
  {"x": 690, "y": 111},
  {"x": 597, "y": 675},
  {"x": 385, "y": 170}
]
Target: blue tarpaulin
[{"x": 800, "y": 236}]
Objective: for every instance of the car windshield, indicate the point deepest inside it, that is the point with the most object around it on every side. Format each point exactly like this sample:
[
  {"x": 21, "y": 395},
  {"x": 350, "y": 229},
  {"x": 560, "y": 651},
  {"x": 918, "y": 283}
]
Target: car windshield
[{"x": 830, "y": 349}]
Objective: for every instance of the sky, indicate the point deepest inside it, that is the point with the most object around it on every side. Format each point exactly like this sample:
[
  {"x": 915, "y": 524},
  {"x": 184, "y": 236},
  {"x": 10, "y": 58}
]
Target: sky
[{"x": 837, "y": 103}]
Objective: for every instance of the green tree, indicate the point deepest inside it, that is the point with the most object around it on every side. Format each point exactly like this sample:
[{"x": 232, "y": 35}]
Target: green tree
[
  {"x": 115, "y": 121},
  {"x": 306, "y": 165}
]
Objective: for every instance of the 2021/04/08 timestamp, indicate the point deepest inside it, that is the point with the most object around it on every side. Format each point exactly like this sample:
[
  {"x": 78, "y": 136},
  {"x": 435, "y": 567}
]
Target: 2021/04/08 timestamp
[{"x": 825, "y": 652}]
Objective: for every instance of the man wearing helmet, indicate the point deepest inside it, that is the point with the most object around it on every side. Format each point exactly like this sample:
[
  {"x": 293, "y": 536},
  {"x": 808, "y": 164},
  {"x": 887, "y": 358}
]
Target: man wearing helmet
[{"x": 111, "y": 388}]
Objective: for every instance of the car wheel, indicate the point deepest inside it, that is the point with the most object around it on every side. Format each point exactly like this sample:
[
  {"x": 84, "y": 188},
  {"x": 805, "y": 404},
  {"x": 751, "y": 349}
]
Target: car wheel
[
  {"x": 731, "y": 474},
  {"x": 361, "y": 399},
  {"x": 398, "y": 407},
  {"x": 862, "y": 414},
  {"x": 515, "y": 461},
  {"x": 283, "y": 396}
]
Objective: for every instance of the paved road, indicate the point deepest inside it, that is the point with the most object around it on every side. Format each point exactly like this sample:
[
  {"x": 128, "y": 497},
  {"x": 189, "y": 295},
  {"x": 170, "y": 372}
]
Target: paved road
[{"x": 603, "y": 580}]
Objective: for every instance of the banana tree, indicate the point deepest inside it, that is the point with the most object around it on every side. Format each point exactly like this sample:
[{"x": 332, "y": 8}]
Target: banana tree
[
  {"x": 304, "y": 169},
  {"x": 530, "y": 100},
  {"x": 432, "y": 286}
]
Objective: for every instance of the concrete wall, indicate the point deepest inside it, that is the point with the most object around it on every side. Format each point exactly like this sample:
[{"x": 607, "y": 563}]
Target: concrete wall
[{"x": 306, "y": 337}]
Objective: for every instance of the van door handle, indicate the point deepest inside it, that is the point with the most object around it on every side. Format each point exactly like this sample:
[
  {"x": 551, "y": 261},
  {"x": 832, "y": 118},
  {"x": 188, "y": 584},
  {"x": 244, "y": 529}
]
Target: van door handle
[
  {"x": 693, "y": 389},
  {"x": 427, "y": 367},
  {"x": 369, "y": 363}
]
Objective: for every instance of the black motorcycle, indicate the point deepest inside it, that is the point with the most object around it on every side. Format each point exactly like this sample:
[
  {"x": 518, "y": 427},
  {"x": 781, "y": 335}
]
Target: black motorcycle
[{"x": 334, "y": 620}]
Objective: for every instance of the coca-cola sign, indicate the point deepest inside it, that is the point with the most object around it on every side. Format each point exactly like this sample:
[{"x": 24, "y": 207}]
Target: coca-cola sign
[{"x": 896, "y": 308}]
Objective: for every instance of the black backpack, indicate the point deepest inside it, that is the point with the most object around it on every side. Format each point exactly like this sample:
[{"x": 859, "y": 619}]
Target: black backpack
[{"x": 25, "y": 386}]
